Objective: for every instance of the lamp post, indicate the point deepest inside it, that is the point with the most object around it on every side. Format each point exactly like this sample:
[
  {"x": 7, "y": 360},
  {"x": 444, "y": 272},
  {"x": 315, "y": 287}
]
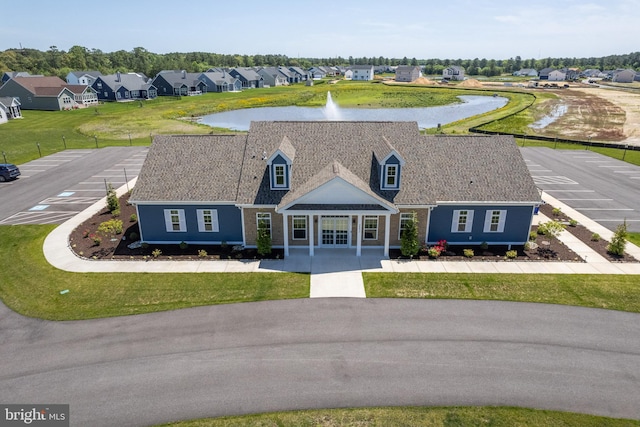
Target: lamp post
[
  {"x": 625, "y": 151},
  {"x": 5, "y": 157},
  {"x": 39, "y": 152},
  {"x": 95, "y": 137},
  {"x": 129, "y": 139},
  {"x": 64, "y": 141}
]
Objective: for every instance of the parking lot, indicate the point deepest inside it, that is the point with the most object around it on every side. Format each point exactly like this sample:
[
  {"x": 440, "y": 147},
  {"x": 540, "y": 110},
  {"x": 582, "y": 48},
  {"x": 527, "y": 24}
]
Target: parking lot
[
  {"x": 604, "y": 189},
  {"x": 54, "y": 188}
]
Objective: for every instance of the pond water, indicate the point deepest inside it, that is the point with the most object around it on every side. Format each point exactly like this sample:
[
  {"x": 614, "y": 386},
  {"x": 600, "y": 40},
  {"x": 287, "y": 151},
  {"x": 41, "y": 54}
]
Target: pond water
[{"x": 427, "y": 117}]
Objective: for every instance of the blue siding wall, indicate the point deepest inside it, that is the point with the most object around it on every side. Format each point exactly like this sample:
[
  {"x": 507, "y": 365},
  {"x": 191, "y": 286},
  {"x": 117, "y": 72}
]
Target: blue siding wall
[
  {"x": 153, "y": 228},
  {"x": 516, "y": 229}
]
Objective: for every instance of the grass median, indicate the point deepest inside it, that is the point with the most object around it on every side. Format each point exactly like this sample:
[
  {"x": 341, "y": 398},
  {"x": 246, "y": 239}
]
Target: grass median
[
  {"x": 31, "y": 286},
  {"x": 615, "y": 292},
  {"x": 414, "y": 416}
]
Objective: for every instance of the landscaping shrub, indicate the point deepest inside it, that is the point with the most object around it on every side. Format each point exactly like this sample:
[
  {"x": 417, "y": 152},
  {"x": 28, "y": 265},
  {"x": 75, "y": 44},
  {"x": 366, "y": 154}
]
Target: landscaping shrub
[
  {"x": 619, "y": 240},
  {"x": 511, "y": 254},
  {"x": 556, "y": 211},
  {"x": 573, "y": 222},
  {"x": 409, "y": 244},
  {"x": 595, "y": 237},
  {"x": 533, "y": 236},
  {"x": 133, "y": 218},
  {"x": 133, "y": 236},
  {"x": 156, "y": 253},
  {"x": 112, "y": 226},
  {"x": 184, "y": 245},
  {"x": 112, "y": 199},
  {"x": 263, "y": 241},
  {"x": 96, "y": 239},
  {"x": 202, "y": 253},
  {"x": 484, "y": 246},
  {"x": 468, "y": 253}
]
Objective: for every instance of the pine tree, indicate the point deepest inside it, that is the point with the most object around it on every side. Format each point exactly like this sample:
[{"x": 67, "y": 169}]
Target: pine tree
[
  {"x": 619, "y": 240},
  {"x": 263, "y": 240}
]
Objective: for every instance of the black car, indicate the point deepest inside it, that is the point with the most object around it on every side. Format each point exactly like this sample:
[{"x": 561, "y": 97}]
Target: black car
[{"x": 8, "y": 172}]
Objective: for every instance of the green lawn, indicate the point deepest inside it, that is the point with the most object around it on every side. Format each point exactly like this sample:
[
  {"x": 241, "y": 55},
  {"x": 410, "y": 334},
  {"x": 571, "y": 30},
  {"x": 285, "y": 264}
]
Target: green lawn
[
  {"x": 615, "y": 292},
  {"x": 414, "y": 416},
  {"x": 35, "y": 290}
]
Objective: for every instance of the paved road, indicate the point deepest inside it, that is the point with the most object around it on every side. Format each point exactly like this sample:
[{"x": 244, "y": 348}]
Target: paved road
[
  {"x": 605, "y": 190},
  {"x": 56, "y": 187},
  {"x": 319, "y": 353}
]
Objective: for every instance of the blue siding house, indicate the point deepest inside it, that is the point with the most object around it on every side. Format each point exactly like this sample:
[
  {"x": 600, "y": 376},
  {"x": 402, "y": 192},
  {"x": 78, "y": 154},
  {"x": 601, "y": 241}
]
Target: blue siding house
[
  {"x": 334, "y": 185},
  {"x": 123, "y": 87}
]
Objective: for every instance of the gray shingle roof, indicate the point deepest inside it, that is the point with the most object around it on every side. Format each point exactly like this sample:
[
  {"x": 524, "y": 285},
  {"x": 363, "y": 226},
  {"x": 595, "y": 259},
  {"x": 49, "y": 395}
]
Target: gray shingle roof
[
  {"x": 437, "y": 169},
  {"x": 184, "y": 168}
]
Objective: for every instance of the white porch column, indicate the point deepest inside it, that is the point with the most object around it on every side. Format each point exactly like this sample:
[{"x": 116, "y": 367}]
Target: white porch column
[
  {"x": 311, "y": 234},
  {"x": 359, "y": 236},
  {"x": 387, "y": 233},
  {"x": 285, "y": 231}
]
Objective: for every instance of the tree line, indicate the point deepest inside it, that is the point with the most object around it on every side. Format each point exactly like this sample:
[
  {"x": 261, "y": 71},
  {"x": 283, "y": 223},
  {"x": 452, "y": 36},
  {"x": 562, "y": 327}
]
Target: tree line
[{"x": 59, "y": 62}]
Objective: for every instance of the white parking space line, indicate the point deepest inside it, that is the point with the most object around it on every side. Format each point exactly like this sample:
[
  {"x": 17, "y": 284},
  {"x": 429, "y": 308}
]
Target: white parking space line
[
  {"x": 25, "y": 218},
  {"x": 604, "y": 209},
  {"x": 88, "y": 189},
  {"x": 613, "y": 166},
  {"x": 562, "y": 180},
  {"x": 572, "y": 191},
  {"x": 590, "y": 200},
  {"x": 69, "y": 200},
  {"x": 598, "y": 161},
  {"x": 539, "y": 170}
]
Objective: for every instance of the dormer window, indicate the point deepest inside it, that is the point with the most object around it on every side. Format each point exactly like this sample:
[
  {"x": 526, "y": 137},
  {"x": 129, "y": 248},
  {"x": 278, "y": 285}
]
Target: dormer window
[
  {"x": 391, "y": 176},
  {"x": 280, "y": 179}
]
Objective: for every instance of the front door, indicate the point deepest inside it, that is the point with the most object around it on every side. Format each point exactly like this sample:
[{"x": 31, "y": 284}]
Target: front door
[{"x": 335, "y": 231}]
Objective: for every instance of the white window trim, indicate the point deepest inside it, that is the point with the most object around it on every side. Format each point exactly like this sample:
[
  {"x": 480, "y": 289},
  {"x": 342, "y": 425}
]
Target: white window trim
[
  {"x": 456, "y": 221},
  {"x": 284, "y": 176},
  {"x": 266, "y": 216},
  {"x": 169, "y": 224},
  {"x": 405, "y": 216},
  {"x": 215, "y": 225},
  {"x": 501, "y": 221},
  {"x": 364, "y": 229},
  {"x": 386, "y": 176},
  {"x": 293, "y": 228}
]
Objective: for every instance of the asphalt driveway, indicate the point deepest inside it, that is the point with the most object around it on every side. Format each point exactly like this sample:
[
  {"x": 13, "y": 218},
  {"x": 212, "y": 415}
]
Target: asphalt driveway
[
  {"x": 321, "y": 353},
  {"x": 605, "y": 190},
  {"x": 57, "y": 187}
]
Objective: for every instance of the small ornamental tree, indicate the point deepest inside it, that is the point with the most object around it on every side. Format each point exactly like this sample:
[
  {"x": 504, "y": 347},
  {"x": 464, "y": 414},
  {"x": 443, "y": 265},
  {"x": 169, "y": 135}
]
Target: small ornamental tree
[
  {"x": 409, "y": 244},
  {"x": 113, "y": 204},
  {"x": 619, "y": 240},
  {"x": 552, "y": 229},
  {"x": 263, "y": 240}
]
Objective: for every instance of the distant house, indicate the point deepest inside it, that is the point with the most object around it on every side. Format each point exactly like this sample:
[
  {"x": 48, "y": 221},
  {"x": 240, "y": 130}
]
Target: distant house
[
  {"x": 302, "y": 74},
  {"x": 83, "y": 77},
  {"x": 9, "y": 109},
  {"x": 526, "y": 72},
  {"x": 83, "y": 95},
  {"x": 406, "y": 73},
  {"x": 557, "y": 76},
  {"x": 179, "y": 83},
  {"x": 124, "y": 87},
  {"x": 624, "y": 76},
  {"x": 273, "y": 77},
  {"x": 45, "y": 93},
  {"x": 218, "y": 80},
  {"x": 334, "y": 186},
  {"x": 571, "y": 73},
  {"x": 453, "y": 72},
  {"x": 8, "y": 75},
  {"x": 591, "y": 72},
  {"x": 348, "y": 75},
  {"x": 249, "y": 78},
  {"x": 544, "y": 73},
  {"x": 362, "y": 72},
  {"x": 317, "y": 73}
]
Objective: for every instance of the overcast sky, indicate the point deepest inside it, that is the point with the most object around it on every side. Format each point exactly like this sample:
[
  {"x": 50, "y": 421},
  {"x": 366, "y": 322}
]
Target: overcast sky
[{"x": 466, "y": 29}]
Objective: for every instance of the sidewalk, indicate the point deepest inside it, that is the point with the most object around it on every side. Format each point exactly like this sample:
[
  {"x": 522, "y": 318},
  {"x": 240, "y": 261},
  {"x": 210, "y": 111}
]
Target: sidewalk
[{"x": 338, "y": 273}]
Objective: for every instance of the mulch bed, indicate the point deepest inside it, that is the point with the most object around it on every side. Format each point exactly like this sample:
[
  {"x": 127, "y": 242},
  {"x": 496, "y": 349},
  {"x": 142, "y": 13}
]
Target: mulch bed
[{"x": 116, "y": 247}]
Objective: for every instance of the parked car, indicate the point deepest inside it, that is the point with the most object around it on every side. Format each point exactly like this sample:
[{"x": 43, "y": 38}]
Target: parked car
[{"x": 8, "y": 172}]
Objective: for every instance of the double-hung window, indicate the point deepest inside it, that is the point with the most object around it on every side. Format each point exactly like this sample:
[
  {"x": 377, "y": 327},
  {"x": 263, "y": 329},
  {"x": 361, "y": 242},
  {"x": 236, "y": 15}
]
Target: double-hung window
[
  {"x": 391, "y": 176},
  {"x": 494, "y": 221},
  {"x": 280, "y": 180},
  {"x": 174, "y": 220},
  {"x": 263, "y": 219},
  {"x": 208, "y": 221},
  {"x": 462, "y": 221},
  {"x": 299, "y": 227},
  {"x": 370, "y": 228}
]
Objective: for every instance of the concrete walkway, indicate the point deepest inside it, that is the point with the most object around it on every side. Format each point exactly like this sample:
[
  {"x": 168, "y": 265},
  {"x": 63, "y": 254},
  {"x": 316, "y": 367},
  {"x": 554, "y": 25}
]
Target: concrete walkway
[{"x": 338, "y": 273}]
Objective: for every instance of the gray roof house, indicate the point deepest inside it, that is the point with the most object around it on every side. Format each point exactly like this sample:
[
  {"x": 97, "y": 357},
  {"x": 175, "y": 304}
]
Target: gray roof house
[
  {"x": 300, "y": 73},
  {"x": 407, "y": 73},
  {"x": 220, "y": 81},
  {"x": 273, "y": 77},
  {"x": 9, "y": 109},
  {"x": 453, "y": 72},
  {"x": 526, "y": 72},
  {"x": 179, "y": 83},
  {"x": 124, "y": 87},
  {"x": 624, "y": 76},
  {"x": 8, "y": 75},
  {"x": 362, "y": 72},
  {"x": 248, "y": 76},
  {"x": 333, "y": 185}
]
